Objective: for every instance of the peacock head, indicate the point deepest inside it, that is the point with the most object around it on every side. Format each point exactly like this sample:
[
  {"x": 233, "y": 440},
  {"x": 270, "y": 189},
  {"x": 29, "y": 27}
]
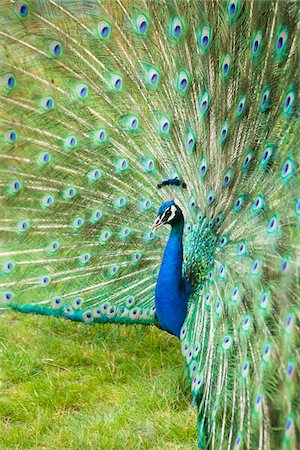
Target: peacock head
[{"x": 168, "y": 213}]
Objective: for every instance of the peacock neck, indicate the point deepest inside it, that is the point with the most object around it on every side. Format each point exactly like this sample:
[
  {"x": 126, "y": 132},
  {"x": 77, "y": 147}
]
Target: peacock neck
[
  {"x": 172, "y": 290},
  {"x": 173, "y": 254}
]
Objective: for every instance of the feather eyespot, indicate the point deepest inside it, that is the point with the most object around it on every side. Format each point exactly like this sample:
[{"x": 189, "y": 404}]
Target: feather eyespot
[
  {"x": 116, "y": 82},
  {"x": 288, "y": 426},
  {"x": 219, "y": 308},
  {"x": 267, "y": 156},
  {"x": 149, "y": 165},
  {"x": 53, "y": 247},
  {"x": 241, "y": 249},
  {"x": 11, "y": 136},
  {"x": 164, "y": 126},
  {"x": 55, "y": 49},
  {"x": 100, "y": 136},
  {"x": 205, "y": 38},
  {"x": 132, "y": 123},
  {"x": 228, "y": 177},
  {"x": 226, "y": 66},
  {"x": 204, "y": 103},
  {"x": 264, "y": 103},
  {"x": 47, "y": 103},
  {"x": 233, "y": 7},
  {"x": 152, "y": 77},
  {"x": 245, "y": 369},
  {"x": 22, "y": 9},
  {"x": 94, "y": 175},
  {"x": 15, "y": 187},
  {"x": 227, "y": 342},
  {"x": 284, "y": 265},
  {"x": 44, "y": 158},
  {"x": 9, "y": 81},
  {"x": 104, "y": 30},
  {"x": 247, "y": 160},
  {"x": 241, "y": 106},
  {"x": 183, "y": 81},
  {"x": 176, "y": 28},
  {"x": 47, "y": 201},
  {"x": 203, "y": 168},
  {"x": 224, "y": 132},
  {"x": 289, "y": 102},
  {"x": 211, "y": 197},
  {"x": 142, "y": 24},
  {"x": 81, "y": 91},
  {"x": 7, "y": 297},
  {"x": 258, "y": 204},
  {"x": 7, "y": 267},
  {"x": 69, "y": 193},
  {"x": 246, "y": 323},
  {"x": 70, "y": 143},
  {"x": 256, "y": 44},
  {"x": 281, "y": 44}
]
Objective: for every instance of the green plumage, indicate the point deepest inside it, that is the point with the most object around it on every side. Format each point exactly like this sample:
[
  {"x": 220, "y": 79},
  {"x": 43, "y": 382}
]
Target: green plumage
[{"x": 100, "y": 102}]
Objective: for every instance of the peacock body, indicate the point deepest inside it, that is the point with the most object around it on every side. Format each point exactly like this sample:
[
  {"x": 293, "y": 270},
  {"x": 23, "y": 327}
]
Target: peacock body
[{"x": 101, "y": 102}]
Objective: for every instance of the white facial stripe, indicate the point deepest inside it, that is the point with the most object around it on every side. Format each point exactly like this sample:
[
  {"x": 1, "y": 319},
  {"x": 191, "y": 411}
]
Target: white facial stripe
[
  {"x": 173, "y": 212},
  {"x": 171, "y": 208}
]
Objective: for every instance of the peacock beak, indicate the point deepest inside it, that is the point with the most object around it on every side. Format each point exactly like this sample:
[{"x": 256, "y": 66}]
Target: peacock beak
[{"x": 157, "y": 224}]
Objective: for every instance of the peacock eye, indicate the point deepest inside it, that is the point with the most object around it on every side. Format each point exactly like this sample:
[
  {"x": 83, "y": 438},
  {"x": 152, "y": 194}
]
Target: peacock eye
[
  {"x": 245, "y": 369},
  {"x": 7, "y": 296},
  {"x": 55, "y": 48},
  {"x": 22, "y": 9},
  {"x": 256, "y": 44},
  {"x": 153, "y": 77},
  {"x": 265, "y": 99},
  {"x": 9, "y": 81},
  {"x": 226, "y": 66},
  {"x": 104, "y": 30},
  {"x": 116, "y": 82},
  {"x": 227, "y": 342},
  {"x": 204, "y": 103},
  {"x": 289, "y": 102},
  {"x": 211, "y": 197},
  {"x": 164, "y": 126},
  {"x": 190, "y": 141},
  {"x": 142, "y": 25},
  {"x": 100, "y": 136},
  {"x": 205, "y": 38},
  {"x": 224, "y": 132},
  {"x": 47, "y": 103},
  {"x": 81, "y": 90},
  {"x": 258, "y": 204},
  {"x": 176, "y": 28},
  {"x": 247, "y": 160},
  {"x": 281, "y": 43},
  {"x": 182, "y": 83},
  {"x": 241, "y": 106},
  {"x": 134, "y": 123},
  {"x": 288, "y": 426},
  {"x": 11, "y": 136}
]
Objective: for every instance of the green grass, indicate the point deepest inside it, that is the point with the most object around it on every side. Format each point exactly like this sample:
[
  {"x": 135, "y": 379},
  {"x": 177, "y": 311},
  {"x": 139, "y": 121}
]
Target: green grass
[{"x": 66, "y": 385}]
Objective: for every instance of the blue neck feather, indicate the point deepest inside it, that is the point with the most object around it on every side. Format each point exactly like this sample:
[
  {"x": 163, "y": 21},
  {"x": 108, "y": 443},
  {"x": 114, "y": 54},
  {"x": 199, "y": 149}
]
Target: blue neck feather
[{"x": 172, "y": 290}]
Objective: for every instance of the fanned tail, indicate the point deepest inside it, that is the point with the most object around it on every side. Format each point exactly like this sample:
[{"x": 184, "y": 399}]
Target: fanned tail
[{"x": 100, "y": 102}]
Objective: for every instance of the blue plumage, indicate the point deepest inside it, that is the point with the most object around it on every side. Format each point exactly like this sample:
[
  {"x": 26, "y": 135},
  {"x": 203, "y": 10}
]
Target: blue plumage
[{"x": 172, "y": 290}]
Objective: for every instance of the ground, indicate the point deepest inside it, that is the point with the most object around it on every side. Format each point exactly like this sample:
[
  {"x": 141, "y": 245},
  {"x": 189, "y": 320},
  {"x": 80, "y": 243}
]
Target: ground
[{"x": 67, "y": 385}]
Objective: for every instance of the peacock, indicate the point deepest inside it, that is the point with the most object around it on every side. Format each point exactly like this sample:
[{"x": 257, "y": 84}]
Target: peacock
[{"x": 118, "y": 117}]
